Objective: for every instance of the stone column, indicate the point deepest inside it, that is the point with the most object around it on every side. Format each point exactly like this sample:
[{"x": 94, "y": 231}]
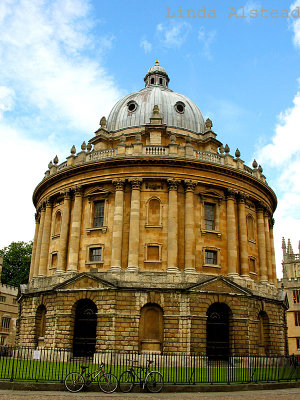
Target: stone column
[
  {"x": 117, "y": 235},
  {"x": 39, "y": 241},
  {"x": 261, "y": 244},
  {"x": 74, "y": 245},
  {"x": 173, "y": 227},
  {"x": 231, "y": 234},
  {"x": 243, "y": 241},
  {"x": 189, "y": 228},
  {"x": 45, "y": 240},
  {"x": 64, "y": 233},
  {"x": 268, "y": 248},
  {"x": 273, "y": 252},
  {"x": 36, "y": 232},
  {"x": 134, "y": 227}
]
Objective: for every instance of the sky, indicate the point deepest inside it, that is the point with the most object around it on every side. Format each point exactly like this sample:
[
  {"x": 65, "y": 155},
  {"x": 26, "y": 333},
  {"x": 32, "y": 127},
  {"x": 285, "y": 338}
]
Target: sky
[{"x": 64, "y": 64}]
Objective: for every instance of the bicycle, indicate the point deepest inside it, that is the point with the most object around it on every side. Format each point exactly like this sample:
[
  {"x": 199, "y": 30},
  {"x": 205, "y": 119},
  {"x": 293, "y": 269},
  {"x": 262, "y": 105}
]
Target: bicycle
[
  {"x": 75, "y": 381},
  {"x": 152, "y": 380}
]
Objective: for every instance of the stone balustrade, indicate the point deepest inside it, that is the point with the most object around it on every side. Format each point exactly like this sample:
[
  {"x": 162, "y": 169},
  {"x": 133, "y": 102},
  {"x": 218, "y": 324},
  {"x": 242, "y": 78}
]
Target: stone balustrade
[{"x": 187, "y": 152}]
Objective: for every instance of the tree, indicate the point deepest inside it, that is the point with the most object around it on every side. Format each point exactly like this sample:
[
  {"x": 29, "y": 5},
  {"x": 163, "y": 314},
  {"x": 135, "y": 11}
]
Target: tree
[{"x": 16, "y": 263}]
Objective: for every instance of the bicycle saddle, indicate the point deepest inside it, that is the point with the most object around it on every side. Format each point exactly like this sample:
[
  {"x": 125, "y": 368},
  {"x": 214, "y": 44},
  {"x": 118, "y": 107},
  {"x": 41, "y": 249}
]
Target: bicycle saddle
[{"x": 83, "y": 367}]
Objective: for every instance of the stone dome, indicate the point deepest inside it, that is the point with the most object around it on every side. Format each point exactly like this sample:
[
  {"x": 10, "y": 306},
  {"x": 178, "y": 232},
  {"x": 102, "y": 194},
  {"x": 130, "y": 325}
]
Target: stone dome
[{"x": 136, "y": 109}]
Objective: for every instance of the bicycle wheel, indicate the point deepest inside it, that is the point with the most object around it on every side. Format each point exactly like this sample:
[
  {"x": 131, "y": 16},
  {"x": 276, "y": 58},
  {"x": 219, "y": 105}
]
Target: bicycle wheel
[
  {"x": 74, "y": 382},
  {"x": 108, "y": 383},
  {"x": 154, "y": 382},
  {"x": 126, "y": 382}
]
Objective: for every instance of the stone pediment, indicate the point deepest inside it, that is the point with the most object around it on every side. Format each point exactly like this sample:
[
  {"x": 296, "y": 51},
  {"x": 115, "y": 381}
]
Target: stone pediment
[
  {"x": 84, "y": 281},
  {"x": 222, "y": 285}
]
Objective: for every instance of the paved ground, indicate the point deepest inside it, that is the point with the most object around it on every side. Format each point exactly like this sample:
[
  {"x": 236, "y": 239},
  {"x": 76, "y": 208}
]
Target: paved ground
[{"x": 279, "y": 394}]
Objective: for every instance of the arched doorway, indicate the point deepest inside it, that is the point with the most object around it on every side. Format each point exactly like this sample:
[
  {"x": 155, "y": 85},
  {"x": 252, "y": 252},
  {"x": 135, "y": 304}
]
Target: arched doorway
[
  {"x": 151, "y": 328},
  {"x": 217, "y": 331},
  {"x": 263, "y": 334},
  {"x": 40, "y": 325},
  {"x": 84, "y": 342}
]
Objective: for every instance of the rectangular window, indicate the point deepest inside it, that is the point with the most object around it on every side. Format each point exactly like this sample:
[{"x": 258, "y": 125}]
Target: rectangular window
[
  {"x": 298, "y": 343},
  {"x": 297, "y": 318},
  {"x": 2, "y": 299},
  {"x": 209, "y": 216},
  {"x": 98, "y": 214},
  {"x": 54, "y": 260},
  {"x": 2, "y": 340},
  {"x": 152, "y": 253},
  {"x": 5, "y": 323},
  {"x": 96, "y": 254},
  {"x": 252, "y": 265},
  {"x": 211, "y": 257},
  {"x": 296, "y": 296}
]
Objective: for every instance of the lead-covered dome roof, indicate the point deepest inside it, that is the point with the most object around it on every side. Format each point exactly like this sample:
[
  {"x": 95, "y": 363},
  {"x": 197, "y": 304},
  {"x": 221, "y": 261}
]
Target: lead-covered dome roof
[{"x": 136, "y": 109}]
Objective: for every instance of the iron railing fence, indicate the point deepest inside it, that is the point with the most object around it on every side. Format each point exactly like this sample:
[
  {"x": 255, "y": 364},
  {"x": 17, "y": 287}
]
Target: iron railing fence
[{"x": 52, "y": 365}]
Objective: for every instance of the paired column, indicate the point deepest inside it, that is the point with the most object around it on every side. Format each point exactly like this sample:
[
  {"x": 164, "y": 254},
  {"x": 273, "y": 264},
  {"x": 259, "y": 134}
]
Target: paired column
[
  {"x": 75, "y": 231},
  {"x": 117, "y": 235},
  {"x": 64, "y": 233},
  {"x": 231, "y": 234},
  {"x": 45, "y": 240},
  {"x": 134, "y": 227},
  {"x": 189, "y": 228},
  {"x": 274, "y": 275},
  {"x": 32, "y": 263},
  {"x": 39, "y": 241},
  {"x": 243, "y": 236},
  {"x": 173, "y": 227},
  {"x": 268, "y": 248},
  {"x": 262, "y": 244}
]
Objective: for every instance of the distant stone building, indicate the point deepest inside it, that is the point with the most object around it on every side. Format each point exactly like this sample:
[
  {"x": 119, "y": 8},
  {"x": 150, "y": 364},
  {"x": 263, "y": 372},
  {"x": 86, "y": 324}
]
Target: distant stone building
[
  {"x": 290, "y": 282},
  {"x": 154, "y": 238},
  {"x": 8, "y": 312}
]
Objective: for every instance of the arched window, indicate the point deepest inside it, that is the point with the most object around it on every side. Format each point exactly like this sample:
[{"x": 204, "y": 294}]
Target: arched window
[
  {"x": 40, "y": 325},
  {"x": 263, "y": 334},
  {"x": 154, "y": 212},
  {"x": 217, "y": 331},
  {"x": 250, "y": 227},
  {"x": 151, "y": 328},
  {"x": 84, "y": 342},
  {"x": 57, "y": 224}
]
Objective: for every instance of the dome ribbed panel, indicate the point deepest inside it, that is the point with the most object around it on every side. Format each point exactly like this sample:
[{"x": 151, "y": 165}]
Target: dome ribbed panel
[{"x": 146, "y": 99}]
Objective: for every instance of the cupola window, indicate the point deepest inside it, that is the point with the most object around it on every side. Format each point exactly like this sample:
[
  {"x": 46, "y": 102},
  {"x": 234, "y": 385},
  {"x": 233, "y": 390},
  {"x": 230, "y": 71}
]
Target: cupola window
[
  {"x": 179, "y": 107},
  {"x": 132, "y": 106}
]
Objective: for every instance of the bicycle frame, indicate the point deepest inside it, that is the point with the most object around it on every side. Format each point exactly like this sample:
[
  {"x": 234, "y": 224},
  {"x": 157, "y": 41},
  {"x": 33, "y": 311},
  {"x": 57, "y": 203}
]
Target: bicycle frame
[
  {"x": 144, "y": 370},
  {"x": 90, "y": 374}
]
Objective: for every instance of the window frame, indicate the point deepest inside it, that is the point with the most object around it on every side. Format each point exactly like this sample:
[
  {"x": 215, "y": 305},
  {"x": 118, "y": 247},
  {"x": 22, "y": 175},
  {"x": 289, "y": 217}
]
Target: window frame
[
  {"x": 53, "y": 253},
  {"x": 251, "y": 239},
  {"x": 217, "y": 251},
  {"x": 296, "y": 296},
  {"x": 93, "y": 198},
  {"x": 146, "y": 259},
  {"x": 213, "y": 199},
  {"x": 251, "y": 258},
  {"x": 88, "y": 254},
  {"x": 160, "y": 225},
  {"x": 54, "y": 233}
]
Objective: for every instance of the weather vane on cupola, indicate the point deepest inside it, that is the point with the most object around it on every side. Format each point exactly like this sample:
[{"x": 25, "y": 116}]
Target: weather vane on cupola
[{"x": 156, "y": 62}]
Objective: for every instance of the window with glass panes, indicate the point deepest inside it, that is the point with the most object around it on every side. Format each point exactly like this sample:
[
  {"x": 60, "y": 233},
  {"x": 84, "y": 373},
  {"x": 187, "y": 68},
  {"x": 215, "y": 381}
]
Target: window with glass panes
[
  {"x": 210, "y": 257},
  {"x": 296, "y": 296},
  {"x": 209, "y": 216},
  {"x": 98, "y": 214},
  {"x": 96, "y": 254},
  {"x": 5, "y": 323},
  {"x": 297, "y": 318}
]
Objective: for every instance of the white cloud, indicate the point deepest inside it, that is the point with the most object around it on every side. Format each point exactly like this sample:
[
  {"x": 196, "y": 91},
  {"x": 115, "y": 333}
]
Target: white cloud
[
  {"x": 296, "y": 24},
  {"x": 147, "y": 46},
  {"x": 50, "y": 89},
  {"x": 173, "y": 34},
  {"x": 206, "y": 38}
]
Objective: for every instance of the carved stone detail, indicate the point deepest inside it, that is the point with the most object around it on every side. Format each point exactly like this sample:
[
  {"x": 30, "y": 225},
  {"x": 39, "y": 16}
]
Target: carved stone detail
[
  {"x": 136, "y": 183},
  {"x": 118, "y": 183},
  {"x": 173, "y": 184}
]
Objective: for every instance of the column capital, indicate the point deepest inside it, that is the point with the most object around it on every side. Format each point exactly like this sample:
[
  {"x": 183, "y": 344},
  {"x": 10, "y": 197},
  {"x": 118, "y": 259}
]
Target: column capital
[
  {"x": 136, "y": 183},
  {"x": 231, "y": 194},
  {"x": 242, "y": 197},
  {"x": 78, "y": 191},
  {"x": 66, "y": 193},
  {"x": 118, "y": 183},
  {"x": 272, "y": 222},
  {"x": 37, "y": 217},
  {"x": 190, "y": 185},
  {"x": 173, "y": 184},
  {"x": 48, "y": 203}
]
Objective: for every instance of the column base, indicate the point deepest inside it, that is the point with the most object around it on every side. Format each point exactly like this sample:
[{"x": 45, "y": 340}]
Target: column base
[
  {"x": 115, "y": 268},
  {"x": 173, "y": 270},
  {"x": 232, "y": 274},
  {"x": 190, "y": 270},
  {"x": 132, "y": 268}
]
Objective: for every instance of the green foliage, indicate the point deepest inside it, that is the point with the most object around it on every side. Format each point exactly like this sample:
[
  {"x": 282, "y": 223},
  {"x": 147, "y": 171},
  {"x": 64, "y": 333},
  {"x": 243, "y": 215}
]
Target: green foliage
[{"x": 16, "y": 263}]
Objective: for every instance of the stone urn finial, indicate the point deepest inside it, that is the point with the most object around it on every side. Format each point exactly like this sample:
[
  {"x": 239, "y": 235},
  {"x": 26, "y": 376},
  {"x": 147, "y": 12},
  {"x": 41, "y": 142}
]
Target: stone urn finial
[
  {"x": 237, "y": 153},
  {"x": 73, "y": 150},
  {"x": 55, "y": 160},
  {"x": 260, "y": 169},
  {"x": 227, "y": 149},
  {"x": 89, "y": 147},
  {"x": 83, "y": 146},
  {"x": 156, "y": 110},
  {"x": 50, "y": 165},
  {"x": 254, "y": 164},
  {"x": 103, "y": 122},
  {"x": 173, "y": 138},
  {"x": 208, "y": 124},
  {"x": 222, "y": 149}
]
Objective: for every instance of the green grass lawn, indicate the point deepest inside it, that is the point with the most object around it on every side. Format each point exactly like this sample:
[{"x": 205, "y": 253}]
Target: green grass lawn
[{"x": 47, "y": 371}]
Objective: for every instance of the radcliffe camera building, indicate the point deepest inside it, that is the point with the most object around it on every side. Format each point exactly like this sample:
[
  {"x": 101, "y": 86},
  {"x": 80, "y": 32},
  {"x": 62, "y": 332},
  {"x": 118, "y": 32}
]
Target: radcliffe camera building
[{"x": 153, "y": 237}]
